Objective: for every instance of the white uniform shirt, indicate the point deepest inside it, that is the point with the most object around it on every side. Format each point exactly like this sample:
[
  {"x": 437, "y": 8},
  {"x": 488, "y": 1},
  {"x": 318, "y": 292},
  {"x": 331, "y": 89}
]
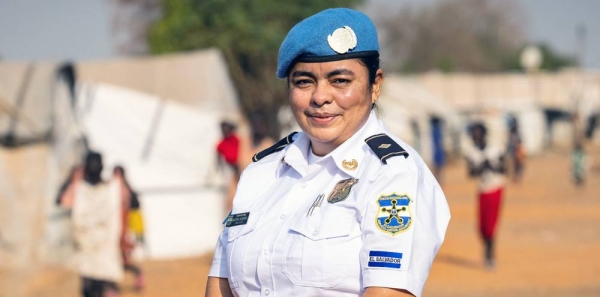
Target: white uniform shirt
[{"x": 296, "y": 243}]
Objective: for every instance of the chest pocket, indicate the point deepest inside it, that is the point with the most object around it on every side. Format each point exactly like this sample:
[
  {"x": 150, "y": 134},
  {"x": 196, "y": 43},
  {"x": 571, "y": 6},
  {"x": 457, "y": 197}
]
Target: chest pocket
[
  {"x": 322, "y": 250},
  {"x": 238, "y": 240}
]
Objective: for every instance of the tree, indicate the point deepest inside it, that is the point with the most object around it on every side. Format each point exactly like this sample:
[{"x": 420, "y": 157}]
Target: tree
[
  {"x": 248, "y": 32},
  {"x": 131, "y": 20},
  {"x": 452, "y": 35}
]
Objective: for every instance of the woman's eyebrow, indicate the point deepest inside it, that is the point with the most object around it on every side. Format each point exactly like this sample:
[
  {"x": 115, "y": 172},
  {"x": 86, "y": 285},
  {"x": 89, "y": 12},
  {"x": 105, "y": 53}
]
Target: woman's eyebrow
[
  {"x": 342, "y": 71},
  {"x": 303, "y": 73}
]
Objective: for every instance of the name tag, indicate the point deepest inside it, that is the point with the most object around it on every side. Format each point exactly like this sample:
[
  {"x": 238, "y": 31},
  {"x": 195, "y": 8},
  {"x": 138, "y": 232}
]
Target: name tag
[{"x": 237, "y": 219}]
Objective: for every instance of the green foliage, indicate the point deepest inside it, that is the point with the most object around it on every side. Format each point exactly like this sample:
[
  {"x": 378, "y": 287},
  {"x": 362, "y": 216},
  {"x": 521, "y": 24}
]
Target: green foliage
[
  {"x": 552, "y": 60},
  {"x": 248, "y": 32}
]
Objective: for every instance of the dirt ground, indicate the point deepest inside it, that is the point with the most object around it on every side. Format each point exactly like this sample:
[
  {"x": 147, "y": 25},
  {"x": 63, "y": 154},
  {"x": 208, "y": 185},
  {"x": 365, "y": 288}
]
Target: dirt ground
[{"x": 548, "y": 244}]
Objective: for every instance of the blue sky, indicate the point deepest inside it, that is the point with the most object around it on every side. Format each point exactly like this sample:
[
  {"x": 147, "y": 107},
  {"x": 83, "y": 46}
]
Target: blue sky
[{"x": 80, "y": 30}]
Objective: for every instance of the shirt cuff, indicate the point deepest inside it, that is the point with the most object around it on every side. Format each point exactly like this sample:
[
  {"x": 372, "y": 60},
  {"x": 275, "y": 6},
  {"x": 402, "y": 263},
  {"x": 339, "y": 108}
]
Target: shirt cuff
[
  {"x": 392, "y": 279},
  {"x": 218, "y": 269}
]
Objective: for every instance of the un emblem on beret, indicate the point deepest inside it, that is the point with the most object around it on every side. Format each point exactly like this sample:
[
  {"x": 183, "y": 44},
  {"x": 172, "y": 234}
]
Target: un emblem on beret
[
  {"x": 394, "y": 214},
  {"x": 342, "y": 40}
]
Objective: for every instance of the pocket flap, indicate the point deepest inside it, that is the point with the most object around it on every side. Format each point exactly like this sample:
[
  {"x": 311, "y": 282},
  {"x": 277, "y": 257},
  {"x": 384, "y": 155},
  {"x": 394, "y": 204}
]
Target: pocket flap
[{"x": 326, "y": 223}]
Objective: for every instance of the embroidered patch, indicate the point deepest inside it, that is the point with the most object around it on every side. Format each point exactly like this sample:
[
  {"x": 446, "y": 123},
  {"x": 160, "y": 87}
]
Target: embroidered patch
[
  {"x": 382, "y": 259},
  {"x": 237, "y": 219},
  {"x": 394, "y": 214}
]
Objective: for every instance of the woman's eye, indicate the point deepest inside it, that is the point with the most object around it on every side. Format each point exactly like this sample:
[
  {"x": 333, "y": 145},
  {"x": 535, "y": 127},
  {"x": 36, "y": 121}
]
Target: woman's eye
[
  {"x": 341, "y": 81},
  {"x": 301, "y": 82}
]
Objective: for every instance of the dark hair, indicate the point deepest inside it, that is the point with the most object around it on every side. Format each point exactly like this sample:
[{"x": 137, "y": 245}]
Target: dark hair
[
  {"x": 477, "y": 125},
  {"x": 372, "y": 64},
  {"x": 92, "y": 167}
]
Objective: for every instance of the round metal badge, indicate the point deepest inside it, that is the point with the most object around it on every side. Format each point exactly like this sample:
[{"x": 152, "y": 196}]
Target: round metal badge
[{"x": 342, "y": 40}]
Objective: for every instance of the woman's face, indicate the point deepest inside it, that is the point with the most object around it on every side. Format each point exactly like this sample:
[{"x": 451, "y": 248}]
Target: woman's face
[{"x": 331, "y": 100}]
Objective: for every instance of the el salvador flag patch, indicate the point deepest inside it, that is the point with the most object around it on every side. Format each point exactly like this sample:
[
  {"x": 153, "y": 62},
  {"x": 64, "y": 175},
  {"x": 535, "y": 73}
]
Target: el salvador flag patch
[{"x": 382, "y": 259}]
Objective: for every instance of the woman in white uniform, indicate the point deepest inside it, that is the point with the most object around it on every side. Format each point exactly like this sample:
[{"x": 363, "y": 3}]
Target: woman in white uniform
[{"x": 342, "y": 208}]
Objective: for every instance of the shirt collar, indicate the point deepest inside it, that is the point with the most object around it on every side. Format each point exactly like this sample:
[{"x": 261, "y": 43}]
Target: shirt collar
[
  {"x": 348, "y": 157},
  {"x": 297, "y": 155}
]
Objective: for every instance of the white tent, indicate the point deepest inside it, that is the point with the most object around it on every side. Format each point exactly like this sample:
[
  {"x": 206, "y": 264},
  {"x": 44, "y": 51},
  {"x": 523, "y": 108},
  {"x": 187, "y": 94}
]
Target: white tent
[
  {"x": 158, "y": 116},
  {"x": 167, "y": 149}
]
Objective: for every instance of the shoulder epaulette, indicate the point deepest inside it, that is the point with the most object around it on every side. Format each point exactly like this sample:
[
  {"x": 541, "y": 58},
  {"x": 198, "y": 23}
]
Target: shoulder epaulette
[
  {"x": 274, "y": 148},
  {"x": 385, "y": 147}
]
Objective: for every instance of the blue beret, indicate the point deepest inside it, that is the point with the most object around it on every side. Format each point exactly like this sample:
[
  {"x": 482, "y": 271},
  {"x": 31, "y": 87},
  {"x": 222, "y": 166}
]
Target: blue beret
[{"x": 330, "y": 35}]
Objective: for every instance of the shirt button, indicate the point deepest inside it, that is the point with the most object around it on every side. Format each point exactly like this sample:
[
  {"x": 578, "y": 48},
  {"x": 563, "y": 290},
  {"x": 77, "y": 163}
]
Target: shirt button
[
  {"x": 283, "y": 216},
  {"x": 232, "y": 233},
  {"x": 265, "y": 252},
  {"x": 303, "y": 185},
  {"x": 267, "y": 292},
  {"x": 315, "y": 232}
]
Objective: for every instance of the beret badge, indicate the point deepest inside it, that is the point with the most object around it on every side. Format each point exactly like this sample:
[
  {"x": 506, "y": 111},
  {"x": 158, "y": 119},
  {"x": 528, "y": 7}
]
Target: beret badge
[{"x": 342, "y": 40}]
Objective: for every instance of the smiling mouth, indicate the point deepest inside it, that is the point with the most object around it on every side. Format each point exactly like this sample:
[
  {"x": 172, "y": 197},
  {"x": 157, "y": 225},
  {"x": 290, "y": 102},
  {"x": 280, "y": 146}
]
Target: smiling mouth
[{"x": 322, "y": 118}]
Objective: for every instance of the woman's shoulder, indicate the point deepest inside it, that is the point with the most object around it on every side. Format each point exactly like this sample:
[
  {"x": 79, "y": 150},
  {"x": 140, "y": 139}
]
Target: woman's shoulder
[
  {"x": 276, "y": 147},
  {"x": 392, "y": 154}
]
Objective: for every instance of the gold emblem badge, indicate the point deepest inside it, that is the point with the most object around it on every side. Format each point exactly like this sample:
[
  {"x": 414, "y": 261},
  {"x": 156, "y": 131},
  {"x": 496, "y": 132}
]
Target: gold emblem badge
[
  {"x": 350, "y": 165},
  {"x": 341, "y": 190}
]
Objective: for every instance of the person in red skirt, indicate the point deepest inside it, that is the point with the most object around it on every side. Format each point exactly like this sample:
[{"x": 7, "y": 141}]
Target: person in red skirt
[
  {"x": 486, "y": 162},
  {"x": 228, "y": 152}
]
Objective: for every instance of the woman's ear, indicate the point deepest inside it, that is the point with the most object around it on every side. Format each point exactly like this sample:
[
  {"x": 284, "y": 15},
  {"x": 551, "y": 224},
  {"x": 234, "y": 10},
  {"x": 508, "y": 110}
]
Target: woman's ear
[{"x": 376, "y": 87}]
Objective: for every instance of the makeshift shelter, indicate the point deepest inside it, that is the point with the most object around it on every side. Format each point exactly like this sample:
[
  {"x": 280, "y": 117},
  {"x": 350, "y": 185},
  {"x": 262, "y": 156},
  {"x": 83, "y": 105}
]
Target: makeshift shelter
[
  {"x": 25, "y": 120},
  {"x": 167, "y": 149},
  {"x": 158, "y": 116}
]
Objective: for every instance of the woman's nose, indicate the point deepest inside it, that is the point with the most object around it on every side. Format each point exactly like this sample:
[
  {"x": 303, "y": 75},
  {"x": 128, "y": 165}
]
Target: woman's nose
[{"x": 321, "y": 95}]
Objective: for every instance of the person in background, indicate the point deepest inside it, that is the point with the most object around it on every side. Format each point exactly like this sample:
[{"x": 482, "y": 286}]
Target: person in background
[
  {"x": 65, "y": 195},
  {"x": 342, "y": 208},
  {"x": 134, "y": 227},
  {"x": 439, "y": 153},
  {"x": 486, "y": 162},
  {"x": 515, "y": 150},
  {"x": 228, "y": 152},
  {"x": 578, "y": 164},
  {"x": 98, "y": 212}
]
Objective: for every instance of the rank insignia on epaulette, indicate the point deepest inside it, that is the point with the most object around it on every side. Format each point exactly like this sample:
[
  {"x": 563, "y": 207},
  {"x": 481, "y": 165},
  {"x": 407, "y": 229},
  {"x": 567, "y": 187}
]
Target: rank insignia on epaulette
[
  {"x": 394, "y": 214},
  {"x": 281, "y": 144},
  {"x": 385, "y": 147},
  {"x": 341, "y": 190}
]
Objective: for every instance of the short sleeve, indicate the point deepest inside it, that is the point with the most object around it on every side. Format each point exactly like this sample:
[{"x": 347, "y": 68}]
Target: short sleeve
[
  {"x": 404, "y": 224},
  {"x": 219, "y": 264}
]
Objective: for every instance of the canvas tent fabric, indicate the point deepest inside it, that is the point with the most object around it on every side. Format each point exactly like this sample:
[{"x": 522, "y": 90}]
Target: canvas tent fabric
[
  {"x": 198, "y": 78},
  {"x": 167, "y": 149},
  {"x": 25, "y": 97},
  {"x": 164, "y": 129}
]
